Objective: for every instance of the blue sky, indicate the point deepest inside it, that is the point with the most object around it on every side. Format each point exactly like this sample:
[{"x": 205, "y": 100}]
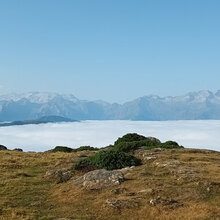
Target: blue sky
[{"x": 115, "y": 50}]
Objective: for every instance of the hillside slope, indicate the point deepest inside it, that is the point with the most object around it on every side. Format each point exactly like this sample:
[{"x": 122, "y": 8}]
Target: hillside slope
[{"x": 170, "y": 184}]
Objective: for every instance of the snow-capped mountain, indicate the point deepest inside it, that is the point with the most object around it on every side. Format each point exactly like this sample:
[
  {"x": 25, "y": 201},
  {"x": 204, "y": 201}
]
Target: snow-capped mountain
[{"x": 192, "y": 106}]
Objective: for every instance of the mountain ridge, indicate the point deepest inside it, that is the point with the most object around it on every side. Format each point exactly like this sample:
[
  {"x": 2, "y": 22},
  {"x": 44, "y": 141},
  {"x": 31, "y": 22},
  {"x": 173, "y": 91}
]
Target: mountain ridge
[
  {"x": 33, "y": 105},
  {"x": 42, "y": 120}
]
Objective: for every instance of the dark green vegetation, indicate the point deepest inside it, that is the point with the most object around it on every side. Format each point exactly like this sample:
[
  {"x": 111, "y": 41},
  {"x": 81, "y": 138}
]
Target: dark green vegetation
[
  {"x": 18, "y": 149},
  {"x": 109, "y": 160},
  {"x": 171, "y": 145},
  {"x": 69, "y": 150},
  {"x": 130, "y": 137},
  {"x": 131, "y": 142},
  {"x": 119, "y": 155},
  {"x": 82, "y": 148},
  {"x": 42, "y": 120},
  {"x": 2, "y": 147},
  {"x": 62, "y": 149}
]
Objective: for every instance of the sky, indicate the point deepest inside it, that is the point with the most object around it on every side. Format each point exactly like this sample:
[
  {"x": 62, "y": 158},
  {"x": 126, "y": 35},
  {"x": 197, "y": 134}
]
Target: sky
[
  {"x": 190, "y": 134},
  {"x": 114, "y": 50}
]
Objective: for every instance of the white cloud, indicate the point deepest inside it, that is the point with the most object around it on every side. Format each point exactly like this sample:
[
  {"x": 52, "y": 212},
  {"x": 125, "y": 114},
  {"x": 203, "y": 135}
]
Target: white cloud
[{"x": 193, "y": 134}]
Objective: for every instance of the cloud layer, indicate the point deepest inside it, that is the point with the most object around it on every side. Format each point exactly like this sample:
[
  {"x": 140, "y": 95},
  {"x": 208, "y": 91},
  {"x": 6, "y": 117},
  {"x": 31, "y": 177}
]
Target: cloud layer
[{"x": 192, "y": 134}]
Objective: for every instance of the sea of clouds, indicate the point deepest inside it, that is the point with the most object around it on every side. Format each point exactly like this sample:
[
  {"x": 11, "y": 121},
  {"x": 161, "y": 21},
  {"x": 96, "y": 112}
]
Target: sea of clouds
[{"x": 192, "y": 134}]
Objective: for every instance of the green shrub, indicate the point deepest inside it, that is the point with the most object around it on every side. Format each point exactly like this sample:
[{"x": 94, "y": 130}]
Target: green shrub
[
  {"x": 2, "y": 147},
  {"x": 170, "y": 145},
  {"x": 129, "y": 138},
  {"x": 82, "y": 148},
  {"x": 131, "y": 146},
  {"x": 109, "y": 159},
  {"x": 62, "y": 149},
  {"x": 18, "y": 149}
]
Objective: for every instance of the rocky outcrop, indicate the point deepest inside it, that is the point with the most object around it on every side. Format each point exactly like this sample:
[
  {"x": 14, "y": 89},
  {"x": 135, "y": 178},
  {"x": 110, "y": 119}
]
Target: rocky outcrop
[{"x": 99, "y": 179}]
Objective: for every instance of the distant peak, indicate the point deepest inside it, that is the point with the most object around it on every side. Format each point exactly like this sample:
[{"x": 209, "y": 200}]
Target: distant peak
[
  {"x": 38, "y": 97},
  {"x": 218, "y": 93}
]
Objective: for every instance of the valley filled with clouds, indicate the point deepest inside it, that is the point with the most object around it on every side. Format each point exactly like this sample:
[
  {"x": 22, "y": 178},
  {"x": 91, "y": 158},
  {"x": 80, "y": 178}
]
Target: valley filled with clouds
[{"x": 192, "y": 134}]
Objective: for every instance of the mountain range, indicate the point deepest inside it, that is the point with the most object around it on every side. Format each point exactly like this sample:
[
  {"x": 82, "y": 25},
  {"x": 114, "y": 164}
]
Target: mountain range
[{"x": 201, "y": 105}]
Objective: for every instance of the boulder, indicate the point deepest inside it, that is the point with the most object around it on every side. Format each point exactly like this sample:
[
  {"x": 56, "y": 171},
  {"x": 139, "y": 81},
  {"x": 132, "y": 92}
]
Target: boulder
[
  {"x": 99, "y": 179},
  {"x": 60, "y": 175}
]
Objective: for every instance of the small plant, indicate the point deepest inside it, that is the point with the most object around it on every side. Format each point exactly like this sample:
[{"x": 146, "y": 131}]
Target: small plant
[{"x": 108, "y": 159}]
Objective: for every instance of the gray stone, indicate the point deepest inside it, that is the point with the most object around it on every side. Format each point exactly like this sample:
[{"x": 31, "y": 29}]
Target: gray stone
[
  {"x": 168, "y": 164},
  {"x": 150, "y": 158},
  {"x": 99, "y": 179},
  {"x": 148, "y": 191},
  {"x": 61, "y": 175}
]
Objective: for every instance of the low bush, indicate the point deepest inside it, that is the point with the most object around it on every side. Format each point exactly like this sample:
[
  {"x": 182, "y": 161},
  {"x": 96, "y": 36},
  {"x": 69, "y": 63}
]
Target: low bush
[
  {"x": 82, "y": 148},
  {"x": 129, "y": 138},
  {"x": 62, "y": 149},
  {"x": 133, "y": 145},
  {"x": 132, "y": 141},
  {"x": 2, "y": 147},
  {"x": 109, "y": 160},
  {"x": 170, "y": 145},
  {"x": 18, "y": 149}
]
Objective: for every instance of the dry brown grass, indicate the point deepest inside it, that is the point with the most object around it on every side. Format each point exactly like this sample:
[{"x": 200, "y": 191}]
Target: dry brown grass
[{"x": 26, "y": 194}]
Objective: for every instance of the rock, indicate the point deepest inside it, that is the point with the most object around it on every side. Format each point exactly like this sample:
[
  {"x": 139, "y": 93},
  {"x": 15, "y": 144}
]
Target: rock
[
  {"x": 168, "y": 164},
  {"x": 158, "y": 149},
  {"x": 61, "y": 175},
  {"x": 131, "y": 194},
  {"x": 167, "y": 202},
  {"x": 99, "y": 179},
  {"x": 118, "y": 204},
  {"x": 150, "y": 158},
  {"x": 186, "y": 170},
  {"x": 119, "y": 191},
  {"x": 208, "y": 186},
  {"x": 126, "y": 170},
  {"x": 148, "y": 191}
]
